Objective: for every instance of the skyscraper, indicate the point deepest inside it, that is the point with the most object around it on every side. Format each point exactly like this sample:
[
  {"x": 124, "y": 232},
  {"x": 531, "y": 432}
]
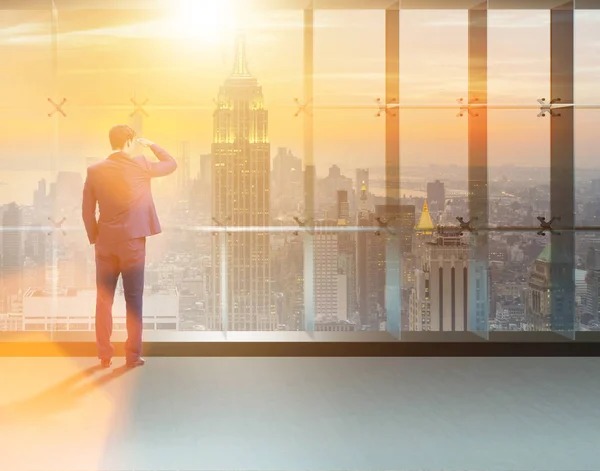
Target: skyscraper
[
  {"x": 330, "y": 283},
  {"x": 543, "y": 290},
  {"x": 206, "y": 170},
  {"x": 436, "y": 196},
  {"x": 241, "y": 198},
  {"x": 439, "y": 300},
  {"x": 11, "y": 270},
  {"x": 183, "y": 176},
  {"x": 346, "y": 253},
  {"x": 370, "y": 259},
  {"x": 343, "y": 207},
  {"x": 361, "y": 186}
]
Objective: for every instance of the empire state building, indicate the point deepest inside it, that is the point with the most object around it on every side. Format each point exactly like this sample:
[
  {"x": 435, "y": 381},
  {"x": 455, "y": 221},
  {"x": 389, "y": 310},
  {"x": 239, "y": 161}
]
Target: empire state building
[{"x": 241, "y": 198}]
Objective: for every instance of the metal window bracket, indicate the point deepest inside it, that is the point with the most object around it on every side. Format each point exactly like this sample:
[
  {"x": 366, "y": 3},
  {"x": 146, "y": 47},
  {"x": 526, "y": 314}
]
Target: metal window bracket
[
  {"x": 383, "y": 224},
  {"x": 57, "y": 107},
  {"x": 302, "y": 224},
  {"x": 57, "y": 225},
  {"x": 139, "y": 107},
  {"x": 466, "y": 108},
  {"x": 546, "y": 108},
  {"x": 385, "y": 108},
  {"x": 302, "y": 107},
  {"x": 466, "y": 225},
  {"x": 546, "y": 226},
  {"x": 220, "y": 224}
]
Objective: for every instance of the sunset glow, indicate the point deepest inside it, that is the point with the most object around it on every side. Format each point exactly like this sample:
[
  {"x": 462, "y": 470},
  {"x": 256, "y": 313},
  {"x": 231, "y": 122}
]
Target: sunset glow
[{"x": 205, "y": 20}]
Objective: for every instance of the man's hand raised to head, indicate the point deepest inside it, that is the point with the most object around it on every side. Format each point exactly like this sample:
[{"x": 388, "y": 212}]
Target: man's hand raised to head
[{"x": 144, "y": 142}]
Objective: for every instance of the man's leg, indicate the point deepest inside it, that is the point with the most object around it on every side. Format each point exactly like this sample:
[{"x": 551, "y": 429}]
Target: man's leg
[
  {"x": 107, "y": 274},
  {"x": 132, "y": 254}
]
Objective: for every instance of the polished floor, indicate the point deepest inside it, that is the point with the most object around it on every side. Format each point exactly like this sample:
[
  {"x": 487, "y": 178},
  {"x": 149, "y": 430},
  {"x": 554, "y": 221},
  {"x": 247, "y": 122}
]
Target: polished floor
[{"x": 301, "y": 414}]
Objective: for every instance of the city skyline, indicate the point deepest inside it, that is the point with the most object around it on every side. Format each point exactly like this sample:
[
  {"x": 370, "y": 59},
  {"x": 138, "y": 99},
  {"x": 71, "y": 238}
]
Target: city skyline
[{"x": 363, "y": 263}]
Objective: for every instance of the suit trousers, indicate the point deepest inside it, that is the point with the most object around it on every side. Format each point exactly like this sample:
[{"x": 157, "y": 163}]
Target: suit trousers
[{"x": 126, "y": 258}]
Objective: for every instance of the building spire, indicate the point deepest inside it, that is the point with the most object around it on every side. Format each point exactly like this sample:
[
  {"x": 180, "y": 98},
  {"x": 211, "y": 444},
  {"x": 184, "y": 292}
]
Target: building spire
[
  {"x": 425, "y": 222},
  {"x": 240, "y": 66}
]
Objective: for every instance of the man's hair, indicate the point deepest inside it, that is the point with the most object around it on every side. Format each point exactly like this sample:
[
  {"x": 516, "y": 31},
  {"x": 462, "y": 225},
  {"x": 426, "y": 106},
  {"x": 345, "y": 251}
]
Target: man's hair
[{"x": 119, "y": 135}]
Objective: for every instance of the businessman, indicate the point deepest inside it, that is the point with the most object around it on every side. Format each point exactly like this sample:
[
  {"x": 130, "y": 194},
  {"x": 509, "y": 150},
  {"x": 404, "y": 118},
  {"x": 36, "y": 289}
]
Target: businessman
[{"x": 120, "y": 186}]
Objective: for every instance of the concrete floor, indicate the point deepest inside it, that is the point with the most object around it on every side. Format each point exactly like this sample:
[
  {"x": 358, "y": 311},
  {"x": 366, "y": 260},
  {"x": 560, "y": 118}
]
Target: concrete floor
[{"x": 301, "y": 414}]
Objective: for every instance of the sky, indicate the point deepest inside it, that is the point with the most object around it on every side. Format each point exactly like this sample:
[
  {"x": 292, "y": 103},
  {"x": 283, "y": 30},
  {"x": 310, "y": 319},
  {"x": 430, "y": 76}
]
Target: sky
[{"x": 178, "y": 61}]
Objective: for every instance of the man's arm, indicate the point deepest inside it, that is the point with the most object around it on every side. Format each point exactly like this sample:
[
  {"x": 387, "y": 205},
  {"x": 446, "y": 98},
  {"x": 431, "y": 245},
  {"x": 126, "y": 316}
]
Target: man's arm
[
  {"x": 88, "y": 210},
  {"x": 166, "y": 163}
]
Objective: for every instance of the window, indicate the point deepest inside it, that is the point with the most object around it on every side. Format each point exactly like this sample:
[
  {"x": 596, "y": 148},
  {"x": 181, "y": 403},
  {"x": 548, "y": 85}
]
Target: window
[{"x": 284, "y": 206}]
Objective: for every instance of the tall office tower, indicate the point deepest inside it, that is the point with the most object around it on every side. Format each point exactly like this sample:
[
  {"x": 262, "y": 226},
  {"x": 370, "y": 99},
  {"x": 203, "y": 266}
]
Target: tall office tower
[
  {"x": 291, "y": 279},
  {"x": 538, "y": 309},
  {"x": 439, "y": 301},
  {"x": 346, "y": 253},
  {"x": 241, "y": 197},
  {"x": 287, "y": 169},
  {"x": 436, "y": 196},
  {"x": 183, "y": 174},
  {"x": 592, "y": 296},
  {"x": 67, "y": 199},
  {"x": 343, "y": 206},
  {"x": 330, "y": 285},
  {"x": 310, "y": 181},
  {"x": 361, "y": 184},
  {"x": 206, "y": 170},
  {"x": 369, "y": 260},
  {"x": 286, "y": 180},
  {"x": 401, "y": 219},
  {"x": 40, "y": 201},
  {"x": 12, "y": 248},
  {"x": 201, "y": 194}
]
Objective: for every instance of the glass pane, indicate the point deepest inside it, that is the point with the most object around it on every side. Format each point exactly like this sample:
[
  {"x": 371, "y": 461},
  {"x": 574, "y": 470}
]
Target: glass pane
[
  {"x": 587, "y": 281},
  {"x": 349, "y": 267},
  {"x": 29, "y": 158},
  {"x": 521, "y": 281},
  {"x": 433, "y": 57},
  {"x": 117, "y": 56},
  {"x": 587, "y": 118},
  {"x": 519, "y": 168},
  {"x": 434, "y": 168},
  {"x": 518, "y": 139},
  {"x": 434, "y": 186},
  {"x": 518, "y": 56}
]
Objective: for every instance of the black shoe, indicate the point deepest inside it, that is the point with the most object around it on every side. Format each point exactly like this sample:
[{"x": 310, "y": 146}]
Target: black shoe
[
  {"x": 106, "y": 362},
  {"x": 134, "y": 363}
]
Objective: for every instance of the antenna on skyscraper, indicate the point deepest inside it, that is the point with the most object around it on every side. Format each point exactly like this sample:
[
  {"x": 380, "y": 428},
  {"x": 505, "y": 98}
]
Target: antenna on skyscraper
[{"x": 240, "y": 65}]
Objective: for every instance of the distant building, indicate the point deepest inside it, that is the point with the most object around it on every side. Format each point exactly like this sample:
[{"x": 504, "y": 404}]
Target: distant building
[
  {"x": 542, "y": 289},
  {"x": 343, "y": 207},
  {"x": 331, "y": 295},
  {"x": 436, "y": 196},
  {"x": 11, "y": 266},
  {"x": 241, "y": 198},
  {"x": 439, "y": 301},
  {"x": 183, "y": 168},
  {"x": 335, "y": 326},
  {"x": 74, "y": 310}
]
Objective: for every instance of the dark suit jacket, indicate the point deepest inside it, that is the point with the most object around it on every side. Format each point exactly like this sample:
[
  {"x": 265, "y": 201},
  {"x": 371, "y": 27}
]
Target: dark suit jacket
[{"x": 120, "y": 185}]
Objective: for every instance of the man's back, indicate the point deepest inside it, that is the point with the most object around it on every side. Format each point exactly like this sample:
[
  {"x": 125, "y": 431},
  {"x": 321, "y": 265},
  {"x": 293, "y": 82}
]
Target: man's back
[{"x": 121, "y": 187}]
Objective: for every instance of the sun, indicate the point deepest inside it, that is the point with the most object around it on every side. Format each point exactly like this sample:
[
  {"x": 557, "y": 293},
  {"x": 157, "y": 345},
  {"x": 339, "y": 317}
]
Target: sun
[{"x": 207, "y": 20}]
